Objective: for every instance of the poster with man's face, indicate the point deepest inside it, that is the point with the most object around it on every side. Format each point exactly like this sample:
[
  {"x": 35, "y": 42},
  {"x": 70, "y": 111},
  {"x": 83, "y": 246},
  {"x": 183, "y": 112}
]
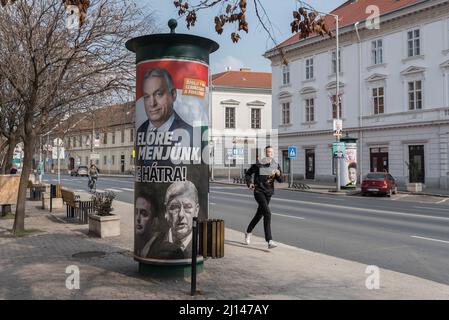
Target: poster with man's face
[
  {"x": 171, "y": 182},
  {"x": 348, "y": 166}
]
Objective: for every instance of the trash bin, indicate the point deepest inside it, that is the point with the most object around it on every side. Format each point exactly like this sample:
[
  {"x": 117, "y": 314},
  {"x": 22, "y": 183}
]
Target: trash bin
[{"x": 211, "y": 234}]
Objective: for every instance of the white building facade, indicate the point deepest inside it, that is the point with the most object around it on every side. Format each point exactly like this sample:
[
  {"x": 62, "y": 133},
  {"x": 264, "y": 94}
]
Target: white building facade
[
  {"x": 240, "y": 118},
  {"x": 394, "y": 86}
]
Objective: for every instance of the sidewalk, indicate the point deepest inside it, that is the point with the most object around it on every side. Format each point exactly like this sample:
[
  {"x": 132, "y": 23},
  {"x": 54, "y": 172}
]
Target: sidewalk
[
  {"x": 34, "y": 267},
  {"x": 328, "y": 188}
]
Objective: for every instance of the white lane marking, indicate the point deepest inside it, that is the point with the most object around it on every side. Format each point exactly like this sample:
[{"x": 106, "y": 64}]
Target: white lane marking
[
  {"x": 212, "y": 203},
  {"x": 113, "y": 190},
  {"x": 397, "y": 197},
  {"x": 444, "y": 200},
  {"x": 331, "y": 198},
  {"x": 287, "y": 216},
  {"x": 333, "y": 206},
  {"x": 430, "y": 208},
  {"x": 99, "y": 190},
  {"x": 127, "y": 189},
  {"x": 430, "y": 239}
]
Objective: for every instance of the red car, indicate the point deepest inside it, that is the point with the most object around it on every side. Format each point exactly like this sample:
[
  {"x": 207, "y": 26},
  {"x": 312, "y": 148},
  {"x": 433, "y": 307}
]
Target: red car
[{"x": 379, "y": 183}]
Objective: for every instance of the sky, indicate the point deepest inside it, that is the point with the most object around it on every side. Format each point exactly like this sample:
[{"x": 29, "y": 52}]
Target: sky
[{"x": 248, "y": 52}]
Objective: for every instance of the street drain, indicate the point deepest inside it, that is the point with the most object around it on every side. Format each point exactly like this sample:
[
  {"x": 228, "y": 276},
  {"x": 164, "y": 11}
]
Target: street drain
[{"x": 89, "y": 255}]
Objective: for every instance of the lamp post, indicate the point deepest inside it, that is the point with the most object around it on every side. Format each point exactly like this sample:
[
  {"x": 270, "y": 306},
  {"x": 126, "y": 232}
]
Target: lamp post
[{"x": 337, "y": 88}]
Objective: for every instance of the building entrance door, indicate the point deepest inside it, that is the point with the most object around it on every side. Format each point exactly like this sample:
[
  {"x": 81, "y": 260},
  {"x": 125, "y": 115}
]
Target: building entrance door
[
  {"x": 122, "y": 163},
  {"x": 310, "y": 164},
  {"x": 379, "y": 160},
  {"x": 285, "y": 162},
  {"x": 416, "y": 158}
]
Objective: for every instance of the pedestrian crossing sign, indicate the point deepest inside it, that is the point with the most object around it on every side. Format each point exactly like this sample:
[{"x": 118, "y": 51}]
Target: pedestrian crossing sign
[{"x": 292, "y": 152}]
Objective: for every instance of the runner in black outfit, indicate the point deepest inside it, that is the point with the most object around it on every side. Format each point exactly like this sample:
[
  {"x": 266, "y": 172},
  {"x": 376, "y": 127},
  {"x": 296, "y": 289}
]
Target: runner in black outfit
[{"x": 265, "y": 172}]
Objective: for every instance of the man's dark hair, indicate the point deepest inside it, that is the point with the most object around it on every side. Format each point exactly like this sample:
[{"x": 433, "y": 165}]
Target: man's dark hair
[
  {"x": 352, "y": 165},
  {"x": 159, "y": 72},
  {"x": 145, "y": 193},
  {"x": 268, "y": 147}
]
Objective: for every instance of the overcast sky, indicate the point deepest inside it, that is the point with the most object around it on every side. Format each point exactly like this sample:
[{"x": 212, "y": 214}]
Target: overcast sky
[{"x": 249, "y": 50}]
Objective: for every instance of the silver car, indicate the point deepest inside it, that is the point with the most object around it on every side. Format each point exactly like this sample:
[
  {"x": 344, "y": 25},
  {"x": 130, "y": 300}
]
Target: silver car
[{"x": 82, "y": 171}]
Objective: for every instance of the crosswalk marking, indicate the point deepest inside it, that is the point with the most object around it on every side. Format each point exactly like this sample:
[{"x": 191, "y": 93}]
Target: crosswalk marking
[{"x": 127, "y": 189}]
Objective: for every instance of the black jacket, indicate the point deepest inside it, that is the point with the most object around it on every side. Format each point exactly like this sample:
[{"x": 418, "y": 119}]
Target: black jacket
[{"x": 263, "y": 177}]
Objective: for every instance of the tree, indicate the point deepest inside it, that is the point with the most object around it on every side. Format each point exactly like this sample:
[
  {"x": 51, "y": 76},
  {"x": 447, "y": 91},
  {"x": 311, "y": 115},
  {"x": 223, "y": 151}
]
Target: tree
[
  {"x": 53, "y": 71},
  {"x": 306, "y": 20}
]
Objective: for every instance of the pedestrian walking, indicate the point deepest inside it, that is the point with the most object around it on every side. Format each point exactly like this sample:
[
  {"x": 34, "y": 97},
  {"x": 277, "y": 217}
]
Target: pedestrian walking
[{"x": 265, "y": 172}]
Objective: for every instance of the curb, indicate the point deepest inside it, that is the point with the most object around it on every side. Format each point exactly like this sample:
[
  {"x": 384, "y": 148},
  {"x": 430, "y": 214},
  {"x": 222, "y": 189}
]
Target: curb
[
  {"x": 425, "y": 194},
  {"x": 349, "y": 193}
]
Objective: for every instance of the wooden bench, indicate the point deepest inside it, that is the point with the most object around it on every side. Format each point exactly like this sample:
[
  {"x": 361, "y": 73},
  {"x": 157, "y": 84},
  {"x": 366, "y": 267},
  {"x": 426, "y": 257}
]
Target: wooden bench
[{"x": 75, "y": 207}]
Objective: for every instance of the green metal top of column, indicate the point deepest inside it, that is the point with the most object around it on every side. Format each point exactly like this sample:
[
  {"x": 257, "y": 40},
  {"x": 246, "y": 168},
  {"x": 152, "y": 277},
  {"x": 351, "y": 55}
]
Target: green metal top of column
[{"x": 172, "y": 45}]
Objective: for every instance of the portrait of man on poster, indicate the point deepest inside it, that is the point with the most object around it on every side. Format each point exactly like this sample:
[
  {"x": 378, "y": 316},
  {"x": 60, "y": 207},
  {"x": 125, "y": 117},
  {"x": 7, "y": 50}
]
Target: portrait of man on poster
[
  {"x": 151, "y": 230},
  {"x": 181, "y": 206},
  {"x": 159, "y": 95}
]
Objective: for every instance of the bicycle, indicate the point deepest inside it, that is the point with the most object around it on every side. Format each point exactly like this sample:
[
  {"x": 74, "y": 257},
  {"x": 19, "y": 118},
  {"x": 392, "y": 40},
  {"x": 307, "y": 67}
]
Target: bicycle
[{"x": 92, "y": 184}]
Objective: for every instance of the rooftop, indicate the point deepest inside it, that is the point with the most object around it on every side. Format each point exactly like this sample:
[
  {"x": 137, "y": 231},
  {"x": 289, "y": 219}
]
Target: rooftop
[
  {"x": 353, "y": 11},
  {"x": 244, "y": 78}
]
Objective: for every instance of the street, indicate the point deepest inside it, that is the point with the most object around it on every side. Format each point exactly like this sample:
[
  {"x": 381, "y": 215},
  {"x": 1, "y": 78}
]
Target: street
[{"x": 406, "y": 234}]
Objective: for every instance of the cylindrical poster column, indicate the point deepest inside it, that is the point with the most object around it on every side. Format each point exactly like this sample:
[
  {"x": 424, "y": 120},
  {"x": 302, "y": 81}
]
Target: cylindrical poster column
[
  {"x": 348, "y": 164},
  {"x": 172, "y": 177}
]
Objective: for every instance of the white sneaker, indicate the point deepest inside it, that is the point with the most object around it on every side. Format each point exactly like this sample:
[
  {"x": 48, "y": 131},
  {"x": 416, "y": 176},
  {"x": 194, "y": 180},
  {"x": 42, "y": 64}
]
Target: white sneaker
[
  {"x": 248, "y": 238},
  {"x": 272, "y": 244}
]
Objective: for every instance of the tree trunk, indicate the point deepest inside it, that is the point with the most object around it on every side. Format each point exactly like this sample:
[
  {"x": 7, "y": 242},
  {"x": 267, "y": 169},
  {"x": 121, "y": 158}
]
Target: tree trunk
[
  {"x": 9, "y": 154},
  {"x": 19, "y": 221}
]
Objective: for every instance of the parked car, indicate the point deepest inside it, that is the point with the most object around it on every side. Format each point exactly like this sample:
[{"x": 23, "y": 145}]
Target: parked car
[
  {"x": 379, "y": 183},
  {"x": 80, "y": 171}
]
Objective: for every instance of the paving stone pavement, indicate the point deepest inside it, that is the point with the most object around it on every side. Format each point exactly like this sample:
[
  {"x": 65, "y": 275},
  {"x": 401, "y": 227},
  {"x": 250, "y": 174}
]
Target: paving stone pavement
[{"x": 34, "y": 267}]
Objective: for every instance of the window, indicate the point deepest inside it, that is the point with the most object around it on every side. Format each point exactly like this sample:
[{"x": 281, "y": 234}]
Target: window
[
  {"x": 334, "y": 107},
  {"x": 415, "y": 95},
  {"x": 255, "y": 118},
  {"x": 285, "y": 75},
  {"x": 131, "y": 135},
  {"x": 113, "y": 137},
  {"x": 80, "y": 140},
  {"x": 334, "y": 61},
  {"x": 105, "y": 160},
  {"x": 286, "y": 113},
  {"x": 97, "y": 162},
  {"x": 310, "y": 110},
  {"x": 113, "y": 160},
  {"x": 230, "y": 118},
  {"x": 105, "y": 138},
  {"x": 378, "y": 100},
  {"x": 87, "y": 160},
  {"x": 413, "y": 43},
  {"x": 123, "y": 135},
  {"x": 309, "y": 69},
  {"x": 376, "y": 52},
  {"x": 69, "y": 142}
]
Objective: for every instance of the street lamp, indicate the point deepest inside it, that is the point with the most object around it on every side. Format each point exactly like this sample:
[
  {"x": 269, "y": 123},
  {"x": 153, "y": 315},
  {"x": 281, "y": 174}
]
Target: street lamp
[{"x": 337, "y": 88}]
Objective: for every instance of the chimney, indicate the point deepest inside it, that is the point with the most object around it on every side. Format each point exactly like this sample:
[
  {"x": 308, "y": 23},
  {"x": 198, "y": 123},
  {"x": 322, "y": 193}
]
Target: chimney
[{"x": 245, "y": 69}]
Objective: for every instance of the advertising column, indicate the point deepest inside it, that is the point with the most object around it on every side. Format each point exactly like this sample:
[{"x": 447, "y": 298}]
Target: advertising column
[
  {"x": 171, "y": 152},
  {"x": 348, "y": 164}
]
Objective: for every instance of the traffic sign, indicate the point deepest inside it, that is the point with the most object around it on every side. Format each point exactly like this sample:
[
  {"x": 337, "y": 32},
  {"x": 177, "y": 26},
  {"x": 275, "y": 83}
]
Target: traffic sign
[{"x": 292, "y": 152}]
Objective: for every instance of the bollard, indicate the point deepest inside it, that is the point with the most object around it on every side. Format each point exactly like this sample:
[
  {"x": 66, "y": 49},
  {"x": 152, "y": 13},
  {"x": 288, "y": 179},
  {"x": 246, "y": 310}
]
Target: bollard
[
  {"x": 194, "y": 254},
  {"x": 51, "y": 198}
]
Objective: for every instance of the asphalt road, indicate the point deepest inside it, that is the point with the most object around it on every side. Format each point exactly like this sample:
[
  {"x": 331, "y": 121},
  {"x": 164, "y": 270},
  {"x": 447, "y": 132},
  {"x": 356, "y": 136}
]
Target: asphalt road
[{"x": 411, "y": 237}]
